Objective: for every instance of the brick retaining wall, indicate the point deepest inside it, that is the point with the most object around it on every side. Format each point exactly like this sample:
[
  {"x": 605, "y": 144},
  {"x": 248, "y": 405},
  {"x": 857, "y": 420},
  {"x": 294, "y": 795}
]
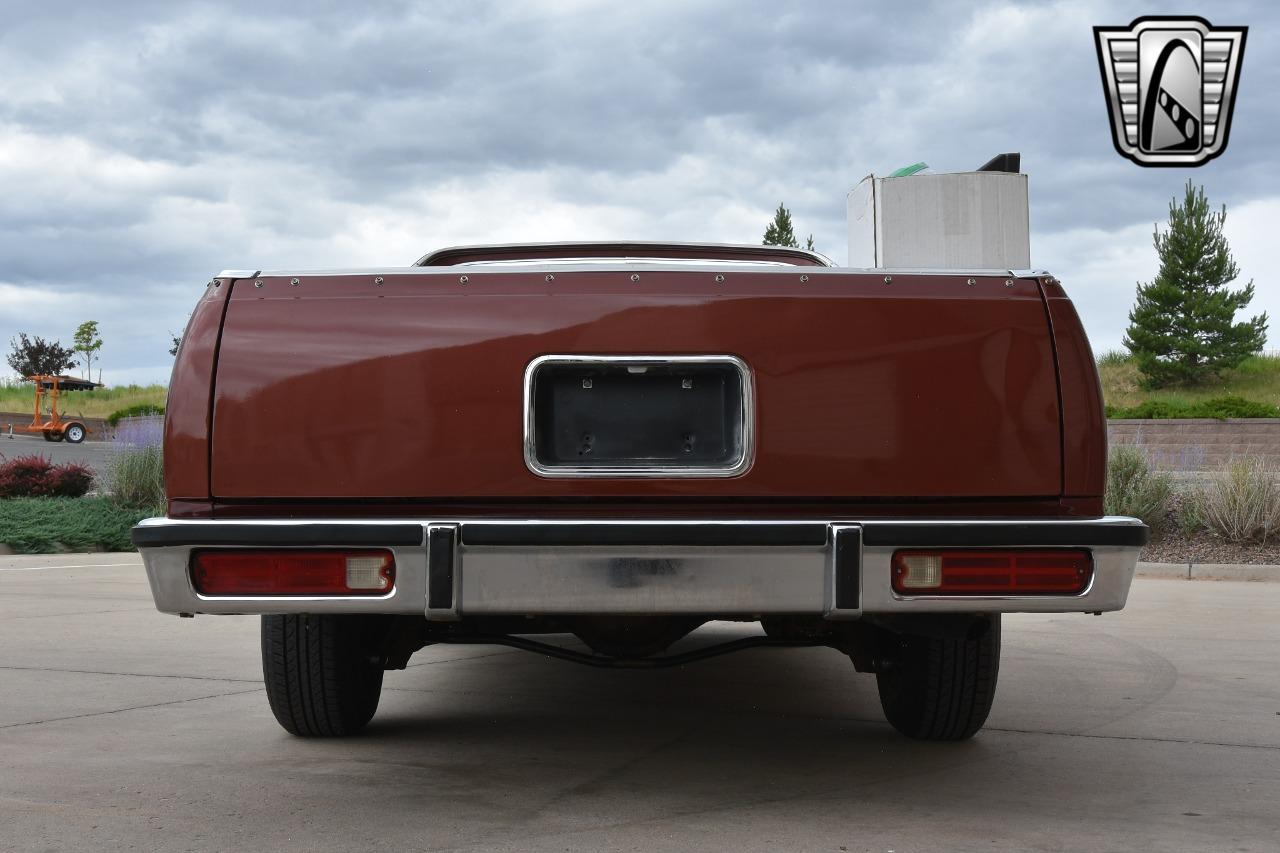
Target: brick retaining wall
[{"x": 1199, "y": 444}]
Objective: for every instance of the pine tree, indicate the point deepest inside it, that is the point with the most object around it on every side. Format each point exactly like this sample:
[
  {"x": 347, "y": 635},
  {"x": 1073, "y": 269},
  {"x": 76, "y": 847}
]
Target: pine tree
[
  {"x": 1182, "y": 328},
  {"x": 780, "y": 232}
]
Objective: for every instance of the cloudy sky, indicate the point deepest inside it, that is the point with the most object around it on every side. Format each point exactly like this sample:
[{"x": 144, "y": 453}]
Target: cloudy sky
[{"x": 144, "y": 146}]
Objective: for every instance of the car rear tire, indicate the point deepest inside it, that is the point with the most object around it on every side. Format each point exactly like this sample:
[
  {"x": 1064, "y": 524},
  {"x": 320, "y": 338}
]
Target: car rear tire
[
  {"x": 941, "y": 689},
  {"x": 322, "y": 677},
  {"x": 74, "y": 433}
]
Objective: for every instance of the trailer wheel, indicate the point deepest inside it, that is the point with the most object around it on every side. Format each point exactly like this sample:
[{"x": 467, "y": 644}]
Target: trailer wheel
[
  {"x": 322, "y": 680},
  {"x": 74, "y": 433},
  {"x": 48, "y": 435},
  {"x": 933, "y": 688}
]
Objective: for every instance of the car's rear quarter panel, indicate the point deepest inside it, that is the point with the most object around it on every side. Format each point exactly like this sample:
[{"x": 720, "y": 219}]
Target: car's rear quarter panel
[
  {"x": 187, "y": 422},
  {"x": 1084, "y": 434},
  {"x": 925, "y": 387}
]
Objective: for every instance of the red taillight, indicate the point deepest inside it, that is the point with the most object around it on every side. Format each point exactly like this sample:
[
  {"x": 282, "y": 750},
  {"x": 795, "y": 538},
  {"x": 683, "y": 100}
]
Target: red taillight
[
  {"x": 1056, "y": 572},
  {"x": 362, "y": 572}
]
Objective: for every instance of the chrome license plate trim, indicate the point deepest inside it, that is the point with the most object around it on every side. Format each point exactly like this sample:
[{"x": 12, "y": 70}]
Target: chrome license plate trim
[{"x": 746, "y": 414}]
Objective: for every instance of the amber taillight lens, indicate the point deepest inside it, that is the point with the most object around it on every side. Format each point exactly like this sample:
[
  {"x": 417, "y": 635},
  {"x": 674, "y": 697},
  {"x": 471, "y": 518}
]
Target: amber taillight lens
[
  {"x": 303, "y": 572},
  {"x": 999, "y": 572}
]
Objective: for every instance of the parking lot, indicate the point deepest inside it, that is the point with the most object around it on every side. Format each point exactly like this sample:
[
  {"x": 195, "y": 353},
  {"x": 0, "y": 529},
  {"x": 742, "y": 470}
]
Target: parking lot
[
  {"x": 92, "y": 452},
  {"x": 120, "y": 728}
]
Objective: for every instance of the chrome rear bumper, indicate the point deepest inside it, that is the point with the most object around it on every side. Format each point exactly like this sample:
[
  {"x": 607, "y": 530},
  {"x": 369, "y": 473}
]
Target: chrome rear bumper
[{"x": 453, "y": 568}]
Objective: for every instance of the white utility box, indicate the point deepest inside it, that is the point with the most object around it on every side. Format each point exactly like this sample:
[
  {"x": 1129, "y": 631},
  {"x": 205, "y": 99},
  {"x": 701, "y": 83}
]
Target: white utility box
[{"x": 961, "y": 220}]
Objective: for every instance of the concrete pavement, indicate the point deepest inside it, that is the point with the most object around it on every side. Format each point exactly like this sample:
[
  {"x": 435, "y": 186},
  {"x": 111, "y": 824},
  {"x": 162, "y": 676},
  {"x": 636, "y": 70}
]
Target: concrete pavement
[{"x": 1157, "y": 728}]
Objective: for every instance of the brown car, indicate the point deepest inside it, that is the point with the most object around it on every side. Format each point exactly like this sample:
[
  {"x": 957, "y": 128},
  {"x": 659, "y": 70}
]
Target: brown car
[{"x": 623, "y": 441}]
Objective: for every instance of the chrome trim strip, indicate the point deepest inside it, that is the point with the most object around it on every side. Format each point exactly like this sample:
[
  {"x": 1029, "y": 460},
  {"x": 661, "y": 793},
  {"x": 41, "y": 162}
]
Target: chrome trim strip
[
  {"x": 1003, "y": 533},
  {"x": 747, "y": 413},
  {"x": 238, "y": 274},
  {"x": 639, "y": 245},
  {"x": 616, "y": 261},
  {"x": 593, "y": 265},
  {"x": 641, "y": 533},
  {"x": 295, "y": 533}
]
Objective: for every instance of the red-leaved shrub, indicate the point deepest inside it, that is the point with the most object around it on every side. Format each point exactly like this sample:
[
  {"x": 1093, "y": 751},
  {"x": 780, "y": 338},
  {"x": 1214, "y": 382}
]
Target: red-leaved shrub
[
  {"x": 25, "y": 477},
  {"x": 70, "y": 480},
  {"x": 36, "y": 477}
]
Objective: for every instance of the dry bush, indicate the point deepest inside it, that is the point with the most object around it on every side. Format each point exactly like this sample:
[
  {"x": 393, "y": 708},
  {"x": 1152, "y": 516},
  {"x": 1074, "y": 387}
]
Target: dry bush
[
  {"x": 1134, "y": 488},
  {"x": 1188, "y": 512},
  {"x": 1242, "y": 501}
]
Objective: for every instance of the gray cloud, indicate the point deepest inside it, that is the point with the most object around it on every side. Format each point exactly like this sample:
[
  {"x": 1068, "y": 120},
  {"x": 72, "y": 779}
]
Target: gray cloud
[{"x": 144, "y": 146}]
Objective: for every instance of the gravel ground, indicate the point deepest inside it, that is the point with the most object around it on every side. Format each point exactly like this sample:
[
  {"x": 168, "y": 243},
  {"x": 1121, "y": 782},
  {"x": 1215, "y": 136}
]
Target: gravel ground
[
  {"x": 1168, "y": 545},
  {"x": 1203, "y": 548}
]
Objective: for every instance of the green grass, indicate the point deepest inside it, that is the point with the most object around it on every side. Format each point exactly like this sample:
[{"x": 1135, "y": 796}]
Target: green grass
[
  {"x": 1257, "y": 379},
  {"x": 98, "y": 403},
  {"x": 137, "y": 410},
  {"x": 1220, "y": 408},
  {"x": 34, "y": 525}
]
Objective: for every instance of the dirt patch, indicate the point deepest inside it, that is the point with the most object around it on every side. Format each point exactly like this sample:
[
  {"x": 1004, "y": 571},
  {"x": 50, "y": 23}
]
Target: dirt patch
[
  {"x": 1206, "y": 549},
  {"x": 1171, "y": 545}
]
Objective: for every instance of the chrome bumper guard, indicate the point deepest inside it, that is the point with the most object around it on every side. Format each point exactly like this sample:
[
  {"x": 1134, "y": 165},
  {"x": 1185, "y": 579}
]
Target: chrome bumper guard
[{"x": 449, "y": 569}]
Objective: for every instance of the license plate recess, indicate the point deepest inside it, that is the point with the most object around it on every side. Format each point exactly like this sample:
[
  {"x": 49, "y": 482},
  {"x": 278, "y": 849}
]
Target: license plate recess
[{"x": 638, "y": 416}]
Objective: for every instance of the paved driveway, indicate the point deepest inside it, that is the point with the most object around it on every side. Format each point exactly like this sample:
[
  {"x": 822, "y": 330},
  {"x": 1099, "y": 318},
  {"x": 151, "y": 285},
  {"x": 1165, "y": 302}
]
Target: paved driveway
[{"x": 1150, "y": 730}]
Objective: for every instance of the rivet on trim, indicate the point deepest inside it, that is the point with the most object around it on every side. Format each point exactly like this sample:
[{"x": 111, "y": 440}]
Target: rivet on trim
[
  {"x": 1008, "y": 282},
  {"x": 378, "y": 281},
  {"x": 257, "y": 283},
  {"x": 550, "y": 277},
  {"x": 294, "y": 282},
  {"x": 888, "y": 279},
  {"x": 971, "y": 282},
  {"x": 803, "y": 279},
  {"x": 719, "y": 279},
  {"x": 635, "y": 276}
]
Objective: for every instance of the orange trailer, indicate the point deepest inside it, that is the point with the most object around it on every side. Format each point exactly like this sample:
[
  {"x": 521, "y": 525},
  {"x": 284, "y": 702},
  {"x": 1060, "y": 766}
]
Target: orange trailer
[{"x": 51, "y": 425}]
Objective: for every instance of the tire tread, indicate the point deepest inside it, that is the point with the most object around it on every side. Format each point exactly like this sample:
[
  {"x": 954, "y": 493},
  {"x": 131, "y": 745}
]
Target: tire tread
[
  {"x": 320, "y": 681},
  {"x": 942, "y": 689}
]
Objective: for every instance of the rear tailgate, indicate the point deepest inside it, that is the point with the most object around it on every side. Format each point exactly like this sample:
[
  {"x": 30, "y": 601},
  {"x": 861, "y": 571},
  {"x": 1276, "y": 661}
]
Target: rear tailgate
[{"x": 411, "y": 385}]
